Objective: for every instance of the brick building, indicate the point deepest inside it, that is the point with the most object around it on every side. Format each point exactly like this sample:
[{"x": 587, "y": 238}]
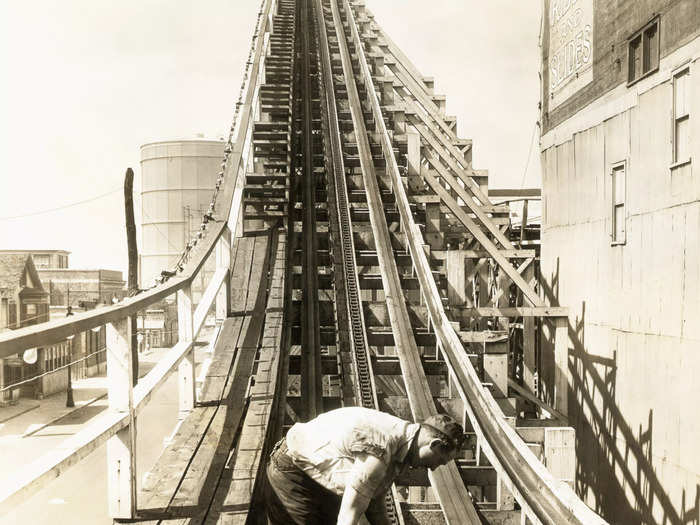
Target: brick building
[
  {"x": 620, "y": 229},
  {"x": 82, "y": 288}
]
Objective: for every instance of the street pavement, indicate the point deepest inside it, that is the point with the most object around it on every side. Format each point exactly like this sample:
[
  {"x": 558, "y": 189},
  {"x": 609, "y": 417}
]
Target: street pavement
[{"x": 79, "y": 496}]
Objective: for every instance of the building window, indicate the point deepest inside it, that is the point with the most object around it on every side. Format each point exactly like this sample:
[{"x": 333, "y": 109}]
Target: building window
[
  {"x": 618, "y": 185},
  {"x": 12, "y": 315},
  {"x": 41, "y": 261},
  {"x": 681, "y": 116},
  {"x": 643, "y": 52}
]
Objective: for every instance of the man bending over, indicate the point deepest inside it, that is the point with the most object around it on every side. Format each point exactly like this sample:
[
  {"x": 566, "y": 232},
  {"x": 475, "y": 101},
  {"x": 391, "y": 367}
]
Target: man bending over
[{"x": 339, "y": 466}]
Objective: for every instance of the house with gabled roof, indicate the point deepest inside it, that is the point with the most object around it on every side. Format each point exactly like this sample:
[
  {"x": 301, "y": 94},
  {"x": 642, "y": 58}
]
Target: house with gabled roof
[{"x": 23, "y": 302}]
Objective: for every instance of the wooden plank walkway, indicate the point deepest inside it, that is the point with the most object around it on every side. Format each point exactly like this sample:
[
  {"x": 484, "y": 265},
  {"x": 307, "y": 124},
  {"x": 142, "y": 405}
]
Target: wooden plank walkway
[
  {"x": 241, "y": 485},
  {"x": 180, "y": 488}
]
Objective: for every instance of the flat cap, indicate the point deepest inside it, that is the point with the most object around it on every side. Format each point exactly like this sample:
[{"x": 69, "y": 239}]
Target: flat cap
[{"x": 449, "y": 427}]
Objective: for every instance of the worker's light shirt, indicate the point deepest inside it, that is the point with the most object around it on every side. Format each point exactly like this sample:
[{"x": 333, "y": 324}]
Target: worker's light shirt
[{"x": 327, "y": 447}]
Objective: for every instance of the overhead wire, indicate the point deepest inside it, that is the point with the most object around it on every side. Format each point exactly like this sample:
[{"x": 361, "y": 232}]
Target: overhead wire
[
  {"x": 62, "y": 207},
  {"x": 529, "y": 153}
]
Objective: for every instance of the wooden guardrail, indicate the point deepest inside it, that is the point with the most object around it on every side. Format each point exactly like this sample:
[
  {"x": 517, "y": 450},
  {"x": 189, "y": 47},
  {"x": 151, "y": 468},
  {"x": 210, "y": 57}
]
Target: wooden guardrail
[
  {"x": 117, "y": 426},
  {"x": 543, "y": 498}
]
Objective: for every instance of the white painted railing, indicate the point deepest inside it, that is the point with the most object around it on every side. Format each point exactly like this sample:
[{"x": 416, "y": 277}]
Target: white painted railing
[{"x": 116, "y": 427}]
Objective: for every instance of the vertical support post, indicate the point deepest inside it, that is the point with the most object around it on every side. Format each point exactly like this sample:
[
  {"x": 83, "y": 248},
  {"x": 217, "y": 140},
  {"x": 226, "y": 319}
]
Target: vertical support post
[
  {"x": 529, "y": 365},
  {"x": 456, "y": 278},
  {"x": 560, "y": 453},
  {"x": 185, "y": 326},
  {"x": 387, "y": 87},
  {"x": 484, "y": 298},
  {"x": 399, "y": 122},
  {"x": 121, "y": 448},
  {"x": 561, "y": 361},
  {"x": 523, "y": 223},
  {"x": 433, "y": 233},
  {"x": 496, "y": 365},
  {"x": 529, "y": 358},
  {"x": 504, "y": 497},
  {"x": 223, "y": 260},
  {"x": 415, "y": 183}
]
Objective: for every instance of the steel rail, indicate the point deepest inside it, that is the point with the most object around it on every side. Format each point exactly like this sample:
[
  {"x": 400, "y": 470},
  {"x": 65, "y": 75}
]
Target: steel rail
[
  {"x": 542, "y": 498},
  {"x": 311, "y": 377},
  {"x": 364, "y": 375},
  {"x": 363, "y": 365}
]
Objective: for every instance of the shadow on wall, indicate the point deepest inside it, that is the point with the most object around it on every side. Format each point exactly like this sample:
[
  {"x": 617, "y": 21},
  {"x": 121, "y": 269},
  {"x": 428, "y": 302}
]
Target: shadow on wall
[{"x": 613, "y": 460}]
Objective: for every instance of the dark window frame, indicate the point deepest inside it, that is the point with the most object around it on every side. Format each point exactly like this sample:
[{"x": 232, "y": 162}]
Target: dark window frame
[
  {"x": 618, "y": 201},
  {"x": 640, "y": 40},
  {"x": 677, "y": 116}
]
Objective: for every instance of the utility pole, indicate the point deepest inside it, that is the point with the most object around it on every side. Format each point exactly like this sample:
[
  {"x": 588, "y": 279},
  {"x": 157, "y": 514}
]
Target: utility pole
[
  {"x": 70, "y": 403},
  {"x": 132, "y": 282}
]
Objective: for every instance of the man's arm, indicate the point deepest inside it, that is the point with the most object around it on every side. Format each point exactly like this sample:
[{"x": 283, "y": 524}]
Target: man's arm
[
  {"x": 368, "y": 472},
  {"x": 352, "y": 507}
]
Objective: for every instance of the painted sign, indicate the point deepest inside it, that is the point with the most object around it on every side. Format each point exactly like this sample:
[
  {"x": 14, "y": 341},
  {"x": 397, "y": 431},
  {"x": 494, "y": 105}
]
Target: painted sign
[{"x": 570, "y": 48}]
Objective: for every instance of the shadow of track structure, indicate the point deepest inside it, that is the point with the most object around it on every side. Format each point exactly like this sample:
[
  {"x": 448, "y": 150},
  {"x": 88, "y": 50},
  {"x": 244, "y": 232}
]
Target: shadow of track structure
[{"x": 615, "y": 470}]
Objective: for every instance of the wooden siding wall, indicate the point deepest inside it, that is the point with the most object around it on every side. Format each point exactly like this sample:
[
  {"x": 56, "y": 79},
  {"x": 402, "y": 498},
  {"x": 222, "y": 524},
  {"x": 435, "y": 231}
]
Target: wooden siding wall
[{"x": 634, "y": 356}]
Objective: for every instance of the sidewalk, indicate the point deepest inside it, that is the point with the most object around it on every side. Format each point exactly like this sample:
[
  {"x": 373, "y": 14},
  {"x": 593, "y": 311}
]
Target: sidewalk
[{"x": 29, "y": 416}]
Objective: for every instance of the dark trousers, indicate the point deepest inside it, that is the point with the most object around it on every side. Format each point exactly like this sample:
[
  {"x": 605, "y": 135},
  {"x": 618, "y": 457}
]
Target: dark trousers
[{"x": 293, "y": 497}]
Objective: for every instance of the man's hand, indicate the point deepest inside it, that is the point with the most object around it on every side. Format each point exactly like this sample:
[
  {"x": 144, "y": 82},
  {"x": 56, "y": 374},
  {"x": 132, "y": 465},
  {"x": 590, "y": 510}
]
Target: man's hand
[{"x": 352, "y": 507}]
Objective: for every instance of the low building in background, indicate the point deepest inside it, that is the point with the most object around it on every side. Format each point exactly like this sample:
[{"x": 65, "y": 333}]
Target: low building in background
[
  {"x": 23, "y": 302},
  {"x": 37, "y": 286},
  {"x": 43, "y": 258},
  {"x": 83, "y": 288}
]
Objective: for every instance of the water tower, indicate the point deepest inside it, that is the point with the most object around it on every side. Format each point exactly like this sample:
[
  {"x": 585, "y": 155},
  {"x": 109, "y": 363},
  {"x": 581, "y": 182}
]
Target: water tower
[{"x": 177, "y": 181}]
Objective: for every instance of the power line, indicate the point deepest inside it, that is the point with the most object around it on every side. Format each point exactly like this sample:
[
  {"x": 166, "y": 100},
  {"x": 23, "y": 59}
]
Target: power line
[
  {"x": 61, "y": 207},
  {"x": 527, "y": 163},
  {"x": 153, "y": 223}
]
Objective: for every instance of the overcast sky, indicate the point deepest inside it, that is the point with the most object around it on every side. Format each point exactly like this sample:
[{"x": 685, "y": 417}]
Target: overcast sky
[{"x": 86, "y": 82}]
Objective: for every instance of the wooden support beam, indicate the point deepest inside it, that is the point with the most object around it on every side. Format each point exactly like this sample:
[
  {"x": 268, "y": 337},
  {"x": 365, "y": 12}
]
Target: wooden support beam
[
  {"x": 464, "y": 174},
  {"x": 413, "y": 156},
  {"x": 529, "y": 362},
  {"x": 185, "y": 327},
  {"x": 471, "y": 475},
  {"x": 505, "y": 193},
  {"x": 516, "y": 311},
  {"x": 402, "y": 59},
  {"x": 490, "y": 247},
  {"x": 441, "y": 255},
  {"x": 223, "y": 261},
  {"x": 560, "y": 453},
  {"x": 561, "y": 359},
  {"x": 466, "y": 197},
  {"x": 426, "y": 100},
  {"x": 121, "y": 448},
  {"x": 535, "y": 400},
  {"x": 496, "y": 373},
  {"x": 456, "y": 278}
]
